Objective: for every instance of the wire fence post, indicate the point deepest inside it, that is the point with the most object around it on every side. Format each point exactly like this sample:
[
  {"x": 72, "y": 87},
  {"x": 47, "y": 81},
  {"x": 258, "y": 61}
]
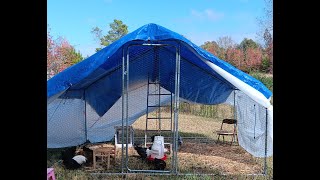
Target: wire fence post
[
  {"x": 85, "y": 114},
  {"x": 266, "y": 142}
]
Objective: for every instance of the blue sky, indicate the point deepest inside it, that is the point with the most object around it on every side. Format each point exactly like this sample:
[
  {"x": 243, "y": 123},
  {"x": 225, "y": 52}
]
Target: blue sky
[{"x": 198, "y": 20}]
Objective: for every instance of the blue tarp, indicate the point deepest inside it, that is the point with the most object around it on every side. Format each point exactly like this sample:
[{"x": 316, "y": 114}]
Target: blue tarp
[
  {"x": 99, "y": 77},
  {"x": 85, "y": 100}
]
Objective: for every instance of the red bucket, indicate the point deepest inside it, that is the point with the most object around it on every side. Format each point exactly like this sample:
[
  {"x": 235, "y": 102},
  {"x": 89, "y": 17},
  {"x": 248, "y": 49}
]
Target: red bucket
[{"x": 151, "y": 159}]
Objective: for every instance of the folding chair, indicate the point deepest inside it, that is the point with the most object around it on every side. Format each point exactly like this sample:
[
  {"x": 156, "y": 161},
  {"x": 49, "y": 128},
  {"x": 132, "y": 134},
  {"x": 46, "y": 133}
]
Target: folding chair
[{"x": 224, "y": 132}]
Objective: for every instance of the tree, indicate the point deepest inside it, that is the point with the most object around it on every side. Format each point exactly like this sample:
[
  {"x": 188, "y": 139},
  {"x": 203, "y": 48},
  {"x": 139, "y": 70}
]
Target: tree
[
  {"x": 268, "y": 52},
  {"x": 235, "y": 57},
  {"x": 267, "y": 37},
  {"x": 266, "y": 33},
  {"x": 247, "y": 43},
  {"x": 117, "y": 31},
  {"x": 251, "y": 55},
  {"x": 50, "y": 53},
  {"x": 213, "y": 47},
  {"x": 225, "y": 42},
  {"x": 266, "y": 21},
  {"x": 210, "y": 46},
  {"x": 253, "y": 59},
  {"x": 60, "y": 55},
  {"x": 266, "y": 65},
  {"x": 97, "y": 32}
]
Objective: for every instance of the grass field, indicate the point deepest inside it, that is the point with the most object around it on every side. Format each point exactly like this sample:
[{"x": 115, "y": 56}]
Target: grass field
[{"x": 194, "y": 156}]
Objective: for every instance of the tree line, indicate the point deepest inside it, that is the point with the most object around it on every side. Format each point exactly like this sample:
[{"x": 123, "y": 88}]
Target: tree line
[
  {"x": 248, "y": 56},
  {"x": 60, "y": 55}
]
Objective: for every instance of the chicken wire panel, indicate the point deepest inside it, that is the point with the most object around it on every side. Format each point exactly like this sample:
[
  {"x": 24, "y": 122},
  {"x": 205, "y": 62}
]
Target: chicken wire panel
[
  {"x": 230, "y": 101},
  {"x": 103, "y": 93},
  {"x": 158, "y": 68},
  {"x": 151, "y": 63},
  {"x": 162, "y": 113},
  {"x": 102, "y": 117},
  {"x": 252, "y": 127},
  {"x": 155, "y": 71},
  {"x": 65, "y": 123},
  {"x": 102, "y": 128},
  {"x": 198, "y": 85},
  {"x": 159, "y": 118}
]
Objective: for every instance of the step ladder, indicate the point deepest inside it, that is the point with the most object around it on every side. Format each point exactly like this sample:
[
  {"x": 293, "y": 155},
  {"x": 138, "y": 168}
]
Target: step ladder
[{"x": 155, "y": 92}]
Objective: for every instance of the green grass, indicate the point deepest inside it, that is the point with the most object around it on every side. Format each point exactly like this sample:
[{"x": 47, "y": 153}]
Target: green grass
[{"x": 266, "y": 79}]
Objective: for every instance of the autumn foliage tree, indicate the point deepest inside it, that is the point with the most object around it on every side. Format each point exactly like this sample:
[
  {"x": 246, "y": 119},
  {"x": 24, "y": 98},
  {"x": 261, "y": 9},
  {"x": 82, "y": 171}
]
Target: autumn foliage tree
[
  {"x": 214, "y": 48},
  {"x": 225, "y": 43},
  {"x": 248, "y": 56},
  {"x": 253, "y": 59},
  {"x": 234, "y": 56},
  {"x": 60, "y": 55}
]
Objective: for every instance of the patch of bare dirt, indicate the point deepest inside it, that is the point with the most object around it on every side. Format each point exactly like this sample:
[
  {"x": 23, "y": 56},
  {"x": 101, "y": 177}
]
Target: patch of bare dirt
[
  {"x": 224, "y": 158},
  {"x": 194, "y": 157}
]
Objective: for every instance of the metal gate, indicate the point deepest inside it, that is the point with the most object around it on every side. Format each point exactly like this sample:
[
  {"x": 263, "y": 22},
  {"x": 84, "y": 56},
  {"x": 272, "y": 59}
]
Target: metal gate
[{"x": 157, "y": 65}]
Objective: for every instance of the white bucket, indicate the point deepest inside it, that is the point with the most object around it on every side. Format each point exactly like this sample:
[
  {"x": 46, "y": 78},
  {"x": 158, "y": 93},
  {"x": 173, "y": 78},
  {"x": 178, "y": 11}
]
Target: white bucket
[{"x": 158, "y": 147}]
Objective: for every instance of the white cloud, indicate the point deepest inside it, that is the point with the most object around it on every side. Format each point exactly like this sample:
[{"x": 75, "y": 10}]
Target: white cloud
[
  {"x": 207, "y": 14},
  {"x": 211, "y": 15}
]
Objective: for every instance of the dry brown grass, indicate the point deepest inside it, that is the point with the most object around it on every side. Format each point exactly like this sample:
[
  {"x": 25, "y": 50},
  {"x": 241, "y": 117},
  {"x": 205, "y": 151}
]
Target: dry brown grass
[
  {"x": 222, "y": 158},
  {"x": 189, "y": 125},
  {"x": 196, "y": 158},
  {"x": 193, "y": 156}
]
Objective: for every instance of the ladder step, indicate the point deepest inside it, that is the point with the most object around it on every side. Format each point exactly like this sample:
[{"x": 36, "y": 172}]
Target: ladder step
[
  {"x": 159, "y": 106},
  {"x": 161, "y": 94},
  {"x": 159, "y": 118},
  {"x": 158, "y": 130}
]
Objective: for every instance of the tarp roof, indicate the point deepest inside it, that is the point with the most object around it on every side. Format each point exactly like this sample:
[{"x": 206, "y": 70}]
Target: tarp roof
[
  {"x": 85, "y": 100},
  {"x": 98, "y": 74}
]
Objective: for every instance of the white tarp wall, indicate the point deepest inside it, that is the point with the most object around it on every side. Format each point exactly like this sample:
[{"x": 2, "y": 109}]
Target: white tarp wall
[
  {"x": 250, "y": 115},
  {"x": 99, "y": 129},
  {"x": 60, "y": 117},
  {"x": 252, "y": 119}
]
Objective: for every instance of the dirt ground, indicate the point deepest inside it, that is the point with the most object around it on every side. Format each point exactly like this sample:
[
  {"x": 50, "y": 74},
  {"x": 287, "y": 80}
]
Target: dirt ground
[
  {"x": 204, "y": 156},
  {"x": 223, "y": 158},
  {"x": 195, "y": 157}
]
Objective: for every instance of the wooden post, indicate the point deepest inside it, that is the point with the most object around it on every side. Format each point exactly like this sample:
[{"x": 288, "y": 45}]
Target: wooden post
[
  {"x": 108, "y": 163},
  {"x": 94, "y": 159}
]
